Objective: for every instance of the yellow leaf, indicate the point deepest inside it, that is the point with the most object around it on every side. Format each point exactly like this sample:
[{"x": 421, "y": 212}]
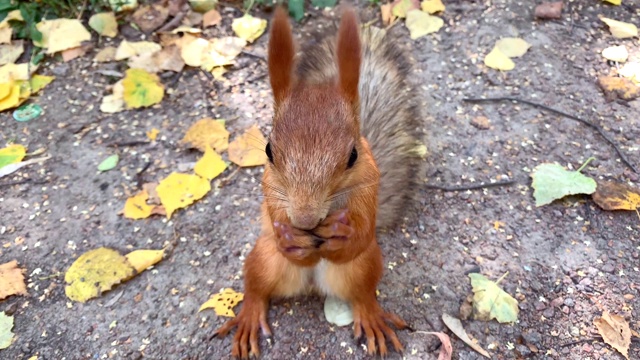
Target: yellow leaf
[
  {"x": 615, "y": 331},
  {"x": 223, "y": 51},
  {"x": 420, "y": 23},
  {"x": 105, "y": 55},
  {"x": 136, "y": 206},
  {"x": 104, "y": 24},
  {"x": 123, "y": 5},
  {"x": 207, "y": 132},
  {"x": 631, "y": 70},
  {"x": 499, "y": 61},
  {"x": 141, "y": 89},
  {"x": 210, "y": 165},
  {"x": 153, "y": 134},
  {"x": 12, "y": 15},
  {"x": 194, "y": 50},
  {"x": 512, "y": 47},
  {"x": 248, "y": 149},
  {"x": 223, "y": 302},
  {"x": 143, "y": 259},
  {"x": 5, "y": 89},
  {"x": 128, "y": 49},
  {"x": 491, "y": 302},
  {"x": 11, "y": 72},
  {"x": 615, "y": 87},
  {"x": 619, "y": 29},
  {"x": 94, "y": 272},
  {"x": 114, "y": 103},
  {"x": 10, "y": 53},
  {"x": 614, "y": 2},
  {"x": 11, "y": 280},
  {"x": 180, "y": 190},
  {"x": 5, "y": 35},
  {"x": 616, "y": 196},
  {"x": 616, "y": 53},
  {"x": 61, "y": 34},
  {"x": 401, "y": 8},
  {"x": 12, "y": 100},
  {"x": 38, "y": 82},
  {"x": 248, "y": 27},
  {"x": 432, "y": 6}
]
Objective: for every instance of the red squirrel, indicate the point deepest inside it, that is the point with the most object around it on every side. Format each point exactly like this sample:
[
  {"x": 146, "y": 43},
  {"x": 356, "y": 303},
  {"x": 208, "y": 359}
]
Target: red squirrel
[{"x": 341, "y": 163}]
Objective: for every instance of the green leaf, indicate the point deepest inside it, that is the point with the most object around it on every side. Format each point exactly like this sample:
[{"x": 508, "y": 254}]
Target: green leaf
[
  {"x": 109, "y": 163},
  {"x": 6, "y": 335},
  {"x": 324, "y": 3},
  {"x": 296, "y": 9},
  {"x": 491, "y": 302},
  {"x": 552, "y": 182}
]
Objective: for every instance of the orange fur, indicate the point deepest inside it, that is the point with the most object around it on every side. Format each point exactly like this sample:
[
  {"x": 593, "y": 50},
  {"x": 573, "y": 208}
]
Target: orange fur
[{"x": 319, "y": 213}]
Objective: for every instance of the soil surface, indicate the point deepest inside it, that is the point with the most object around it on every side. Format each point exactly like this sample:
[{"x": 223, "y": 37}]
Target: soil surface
[{"x": 567, "y": 261}]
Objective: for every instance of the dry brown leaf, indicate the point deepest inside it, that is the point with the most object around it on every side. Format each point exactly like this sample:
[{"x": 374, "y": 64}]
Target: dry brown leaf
[
  {"x": 549, "y": 10},
  {"x": 70, "y": 54},
  {"x": 150, "y": 17},
  {"x": 446, "y": 350},
  {"x": 248, "y": 149},
  {"x": 127, "y": 49},
  {"x": 105, "y": 55},
  {"x": 456, "y": 327},
  {"x": 386, "y": 13},
  {"x": 615, "y": 87},
  {"x": 11, "y": 280},
  {"x": 616, "y": 196},
  {"x": 619, "y": 29},
  {"x": 211, "y": 18},
  {"x": 207, "y": 132},
  {"x": 169, "y": 59},
  {"x": 192, "y": 19},
  {"x": 615, "y": 331}
]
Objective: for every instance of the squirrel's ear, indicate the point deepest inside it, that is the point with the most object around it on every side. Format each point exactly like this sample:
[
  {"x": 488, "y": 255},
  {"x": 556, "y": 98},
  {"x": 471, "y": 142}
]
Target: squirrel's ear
[
  {"x": 349, "y": 52},
  {"x": 281, "y": 55}
]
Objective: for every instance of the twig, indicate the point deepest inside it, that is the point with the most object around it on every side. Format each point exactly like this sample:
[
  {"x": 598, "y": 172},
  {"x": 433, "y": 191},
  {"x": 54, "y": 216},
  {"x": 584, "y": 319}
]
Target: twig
[
  {"x": 226, "y": 180},
  {"x": 558, "y": 112},
  {"x": 173, "y": 23},
  {"x": 24, "y": 181},
  {"x": 471, "y": 187},
  {"x": 139, "y": 179},
  {"x": 128, "y": 143},
  {"x": 248, "y": 53}
]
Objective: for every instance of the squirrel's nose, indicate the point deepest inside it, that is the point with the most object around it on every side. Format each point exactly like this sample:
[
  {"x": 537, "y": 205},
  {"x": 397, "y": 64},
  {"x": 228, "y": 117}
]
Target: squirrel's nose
[{"x": 306, "y": 219}]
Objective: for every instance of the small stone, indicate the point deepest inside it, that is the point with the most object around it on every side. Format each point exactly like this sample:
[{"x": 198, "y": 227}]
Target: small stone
[
  {"x": 548, "y": 313},
  {"x": 480, "y": 122},
  {"x": 549, "y": 10},
  {"x": 532, "y": 337},
  {"x": 61, "y": 70},
  {"x": 569, "y": 302},
  {"x": 608, "y": 268}
]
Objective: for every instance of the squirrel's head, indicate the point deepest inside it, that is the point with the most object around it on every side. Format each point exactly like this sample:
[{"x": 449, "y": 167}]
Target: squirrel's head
[{"x": 314, "y": 149}]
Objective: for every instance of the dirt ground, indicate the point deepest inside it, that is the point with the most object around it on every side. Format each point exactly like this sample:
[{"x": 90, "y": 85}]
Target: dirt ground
[{"x": 566, "y": 261}]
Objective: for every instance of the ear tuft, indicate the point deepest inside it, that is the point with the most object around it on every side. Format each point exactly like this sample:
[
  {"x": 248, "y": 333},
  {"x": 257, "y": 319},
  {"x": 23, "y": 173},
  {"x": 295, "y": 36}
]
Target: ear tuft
[
  {"x": 281, "y": 55},
  {"x": 349, "y": 55}
]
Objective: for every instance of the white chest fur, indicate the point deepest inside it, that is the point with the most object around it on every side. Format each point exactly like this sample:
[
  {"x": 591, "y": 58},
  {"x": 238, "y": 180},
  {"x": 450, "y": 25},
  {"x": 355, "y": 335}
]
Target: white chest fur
[{"x": 320, "y": 280}]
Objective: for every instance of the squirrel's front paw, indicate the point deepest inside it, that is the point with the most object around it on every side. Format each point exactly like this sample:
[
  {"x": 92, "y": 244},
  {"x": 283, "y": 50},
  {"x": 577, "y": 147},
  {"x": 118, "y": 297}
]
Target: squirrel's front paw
[
  {"x": 295, "y": 244},
  {"x": 251, "y": 318},
  {"x": 335, "y": 229}
]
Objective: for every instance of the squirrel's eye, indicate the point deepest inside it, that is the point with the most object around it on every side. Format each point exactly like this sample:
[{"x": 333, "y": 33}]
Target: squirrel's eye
[
  {"x": 352, "y": 158},
  {"x": 268, "y": 151}
]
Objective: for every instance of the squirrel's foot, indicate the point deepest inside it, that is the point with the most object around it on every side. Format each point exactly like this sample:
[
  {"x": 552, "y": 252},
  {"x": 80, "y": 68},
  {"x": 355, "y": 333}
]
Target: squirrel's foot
[
  {"x": 373, "y": 322},
  {"x": 251, "y": 318}
]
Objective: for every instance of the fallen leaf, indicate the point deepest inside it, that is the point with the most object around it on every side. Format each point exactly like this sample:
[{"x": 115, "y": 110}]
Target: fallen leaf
[
  {"x": 109, "y": 163},
  {"x": 229, "y": 47},
  {"x": 615, "y": 331},
  {"x": 114, "y": 103},
  {"x": 12, "y": 154},
  {"x": 202, "y": 6},
  {"x": 181, "y": 190},
  {"x": 616, "y": 53},
  {"x": 141, "y": 260},
  {"x": 192, "y": 19},
  {"x": 615, "y": 87},
  {"x": 141, "y": 89},
  {"x": 420, "y": 23},
  {"x": 10, "y": 53},
  {"x": 210, "y": 165},
  {"x": 248, "y": 149},
  {"x": 105, "y": 55},
  {"x": 631, "y": 71},
  {"x": 150, "y": 17},
  {"x": 147, "y": 62},
  {"x": 619, "y": 29},
  {"x": 153, "y": 134},
  {"x": 499, "y": 61},
  {"x": 13, "y": 98},
  {"x": 94, "y": 272},
  {"x": 11, "y": 168},
  {"x": 337, "y": 312},
  {"x": 248, "y": 27},
  {"x": 12, "y": 15},
  {"x": 11, "y": 72},
  {"x": 6, "y": 335},
  {"x": 39, "y": 82},
  {"x": 127, "y": 49},
  {"x": 512, "y": 47},
  {"x": 73, "y": 53},
  {"x": 323, "y": 3},
  {"x": 207, "y": 132},
  {"x": 104, "y": 24},
  {"x": 136, "y": 206},
  {"x": 549, "y": 10},
  {"x": 223, "y": 302},
  {"x": 211, "y": 18},
  {"x": 552, "y": 182},
  {"x": 446, "y": 350},
  {"x": 169, "y": 59},
  {"x": 491, "y": 302},
  {"x": 401, "y": 8},
  {"x": 386, "y": 14},
  {"x": 458, "y": 330},
  {"x": 432, "y": 6},
  {"x": 11, "y": 280},
  {"x": 186, "y": 30},
  {"x": 614, "y": 2},
  {"x": 616, "y": 196},
  {"x": 61, "y": 34},
  {"x": 5, "y": 35}
]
